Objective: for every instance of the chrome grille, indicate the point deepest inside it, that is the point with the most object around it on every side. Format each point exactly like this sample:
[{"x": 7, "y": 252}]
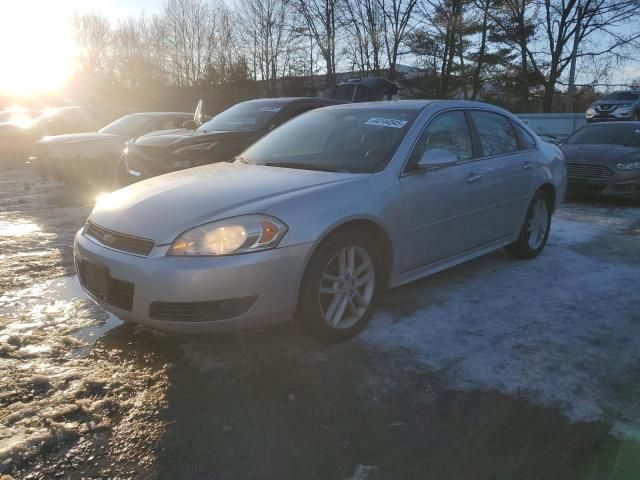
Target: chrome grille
[
  {"x": 119, "y": 241},
  {"x": 588, "y": 171}
]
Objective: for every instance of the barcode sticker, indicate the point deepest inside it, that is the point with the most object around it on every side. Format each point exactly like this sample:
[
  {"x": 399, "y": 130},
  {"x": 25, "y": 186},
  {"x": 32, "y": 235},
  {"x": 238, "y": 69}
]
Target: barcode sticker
[{"x": 386, "y": 122}]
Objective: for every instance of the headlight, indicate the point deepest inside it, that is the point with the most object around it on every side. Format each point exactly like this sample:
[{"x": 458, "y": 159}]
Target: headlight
[
  {"x": 622, "y": 111},
  {"x": 628, "y": 165},
  {"x": 247, "y": 233},
  {"x": 590, "y": 112},
  {"x": 126, "y": 150}
]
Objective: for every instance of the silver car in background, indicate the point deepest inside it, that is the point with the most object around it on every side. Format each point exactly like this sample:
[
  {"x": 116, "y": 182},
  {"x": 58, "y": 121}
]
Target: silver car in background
[{"x": 315, "y": 219}]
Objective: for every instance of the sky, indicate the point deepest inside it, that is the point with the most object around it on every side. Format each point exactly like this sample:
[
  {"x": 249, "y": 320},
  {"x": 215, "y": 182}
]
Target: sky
[{"x": 36, "y": 36}]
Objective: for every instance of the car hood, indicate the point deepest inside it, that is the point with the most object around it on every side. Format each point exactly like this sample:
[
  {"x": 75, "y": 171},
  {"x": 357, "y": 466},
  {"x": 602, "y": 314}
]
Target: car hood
[
  {"x": 613, "y": 102},
  {"x": 173, "y": 139},
  {"x": 162, "y": 207},
  {"x": 596, "y": 154},
  {"x": 80, "y": 137}
]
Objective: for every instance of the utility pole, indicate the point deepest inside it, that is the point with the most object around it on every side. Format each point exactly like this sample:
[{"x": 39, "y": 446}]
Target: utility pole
[{"x": 571, "y": 90}]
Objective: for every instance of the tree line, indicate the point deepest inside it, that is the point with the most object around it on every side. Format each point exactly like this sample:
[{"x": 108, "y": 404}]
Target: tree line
[{"x": 517, "y": 53}]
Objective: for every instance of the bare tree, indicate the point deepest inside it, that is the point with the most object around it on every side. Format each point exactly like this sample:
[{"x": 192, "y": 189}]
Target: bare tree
[
  {"x": 321, "y": 17},
  {"x": 94, "y": 39},
  {"x": 398, "y": 16},
  {"x": 564, "y": 22},
  {"x": 364, "y": 21},
  {"x": 265, "y": 26}
]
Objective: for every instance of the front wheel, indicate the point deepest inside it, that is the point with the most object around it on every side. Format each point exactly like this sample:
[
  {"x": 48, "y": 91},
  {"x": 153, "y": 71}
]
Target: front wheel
[
  {"x": 535, "y": 231},
  {"x": 340, "y": 287}
]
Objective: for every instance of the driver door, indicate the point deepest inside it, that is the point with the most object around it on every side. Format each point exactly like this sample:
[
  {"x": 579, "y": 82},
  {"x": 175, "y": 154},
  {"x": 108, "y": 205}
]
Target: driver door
[{"x": 442, "y": 206}]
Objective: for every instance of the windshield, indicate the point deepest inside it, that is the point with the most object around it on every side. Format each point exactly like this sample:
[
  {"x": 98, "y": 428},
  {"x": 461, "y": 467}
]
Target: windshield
[
  {"x": 243, "y": 117},
  {"x": 612, "y": 134},
  {"x": 348, "y": 140},
  {"x": 127, "y": 125},
  {"x": 632, "y": 96}
]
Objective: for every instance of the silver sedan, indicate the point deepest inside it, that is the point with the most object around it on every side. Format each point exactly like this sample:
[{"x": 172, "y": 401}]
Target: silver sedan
[{"x": 317, "y": 218}]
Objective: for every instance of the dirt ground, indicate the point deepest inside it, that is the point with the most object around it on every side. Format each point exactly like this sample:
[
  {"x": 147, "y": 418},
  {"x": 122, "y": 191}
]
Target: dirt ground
[{"x": 497, "y": 369}]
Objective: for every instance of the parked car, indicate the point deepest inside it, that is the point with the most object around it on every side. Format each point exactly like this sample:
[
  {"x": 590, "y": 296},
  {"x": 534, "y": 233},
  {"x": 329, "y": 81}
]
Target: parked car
[
  {"x": 90, "y": 159},
  {"x": 320, "y": 215},
  {"x": 359, "y": 89},
  {"x": 604, "y": 159},
  {"x": 21, "y": 116},
  {"x": 17, "y": 140},
  {"x": 624, "y": 105},
  {"x": 219, "y": 139}
]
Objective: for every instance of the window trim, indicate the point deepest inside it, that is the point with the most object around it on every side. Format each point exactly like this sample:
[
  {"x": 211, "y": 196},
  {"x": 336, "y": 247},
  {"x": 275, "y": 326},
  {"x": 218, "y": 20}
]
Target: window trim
[
  {"x": 474, "y": 146},
  {"x": 522, "y": 148},
  {"x": 484, "y": 110}
]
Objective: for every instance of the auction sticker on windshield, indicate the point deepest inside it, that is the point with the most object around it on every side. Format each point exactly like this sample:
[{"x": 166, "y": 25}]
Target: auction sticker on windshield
[{"x": 386, "y": 122}]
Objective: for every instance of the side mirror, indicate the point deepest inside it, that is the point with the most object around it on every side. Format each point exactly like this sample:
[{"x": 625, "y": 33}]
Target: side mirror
[
  {"x": 190, "y": 125},
  {"x": 436, "y": 158},
  {"x": 198, "y": 115}
]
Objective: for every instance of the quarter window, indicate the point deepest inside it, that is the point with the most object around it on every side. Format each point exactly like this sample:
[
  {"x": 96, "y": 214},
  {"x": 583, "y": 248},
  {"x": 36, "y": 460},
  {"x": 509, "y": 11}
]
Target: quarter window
[
  {"x": 448, "y": 131},
  {"x": 497, "y": 136},
  {"x": 526, "y": 140}
]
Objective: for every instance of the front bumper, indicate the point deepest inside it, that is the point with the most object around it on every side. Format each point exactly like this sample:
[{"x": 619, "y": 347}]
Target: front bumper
[
  {"x": 625, "y": 184},
  {"x": 610, "y": 116},
  {"x": 271, "y": 276}
]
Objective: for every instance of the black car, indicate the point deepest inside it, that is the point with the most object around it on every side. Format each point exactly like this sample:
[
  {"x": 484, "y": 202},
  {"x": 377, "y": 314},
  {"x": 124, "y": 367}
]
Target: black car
[
  {"x": 17, "y": 141},
  {"x": 357, "y": 89},
  {"x": 219, "y": 139},
  {"x": 624, "y": 105},
  {"x": 604, "y": 159},
  {"x": 90, "y": 159}
]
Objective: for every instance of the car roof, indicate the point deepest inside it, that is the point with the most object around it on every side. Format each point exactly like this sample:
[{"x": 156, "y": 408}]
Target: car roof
[
  {"x": 417, "y": 105},
  {"x": 161, "y": 114},
  {"x": 283, "y": 101}
]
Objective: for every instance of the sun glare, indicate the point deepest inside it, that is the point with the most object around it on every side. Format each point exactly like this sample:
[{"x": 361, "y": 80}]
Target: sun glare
[{"x": 36, "y": 47}]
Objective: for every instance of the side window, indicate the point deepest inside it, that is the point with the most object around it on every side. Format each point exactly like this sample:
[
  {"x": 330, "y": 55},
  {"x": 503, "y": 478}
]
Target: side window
[
  {"x": 448, "y": 131},
  {"x": 527, "y": 142},
  {"x": 167, "y": 124},
  {"x": 497, "y": 136}
]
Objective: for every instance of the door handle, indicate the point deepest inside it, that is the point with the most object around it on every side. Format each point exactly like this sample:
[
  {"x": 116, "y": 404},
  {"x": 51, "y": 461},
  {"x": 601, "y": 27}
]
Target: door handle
[
  {"x": 528, "y": 165},
  {"x": 473, "y": 178}
]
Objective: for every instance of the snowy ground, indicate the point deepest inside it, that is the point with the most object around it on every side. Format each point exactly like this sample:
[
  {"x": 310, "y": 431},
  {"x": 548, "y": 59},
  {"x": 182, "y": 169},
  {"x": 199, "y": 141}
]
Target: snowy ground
[
  {"x": 533, "y": 366},
  {"x": 563, "y": 329}
]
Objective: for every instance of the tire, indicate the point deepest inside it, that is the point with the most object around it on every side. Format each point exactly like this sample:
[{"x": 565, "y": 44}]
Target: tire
[
  {"x": 531, "y": 243},
  {"x": 355, "y": 304}
]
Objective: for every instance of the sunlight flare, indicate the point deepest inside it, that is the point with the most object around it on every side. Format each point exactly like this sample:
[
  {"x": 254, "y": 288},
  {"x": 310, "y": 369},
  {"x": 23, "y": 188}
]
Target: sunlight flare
[{"x": 36, "y": 48}]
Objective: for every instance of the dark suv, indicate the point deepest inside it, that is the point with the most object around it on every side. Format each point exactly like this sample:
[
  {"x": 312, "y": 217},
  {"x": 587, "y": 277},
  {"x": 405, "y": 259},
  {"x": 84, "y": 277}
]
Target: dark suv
[{"x": 616, "y": 106}]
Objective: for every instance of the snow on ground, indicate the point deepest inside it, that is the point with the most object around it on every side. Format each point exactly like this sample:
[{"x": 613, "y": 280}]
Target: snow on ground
[
  {"x": 563, "y": 329},
  {"x": 52, "y": 388}
]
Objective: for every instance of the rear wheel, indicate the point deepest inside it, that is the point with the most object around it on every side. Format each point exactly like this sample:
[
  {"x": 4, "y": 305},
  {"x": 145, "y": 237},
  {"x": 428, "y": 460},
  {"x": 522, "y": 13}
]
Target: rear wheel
[
  {"x": 340, "y": 287},
  {"x": 535, "y": 231}
]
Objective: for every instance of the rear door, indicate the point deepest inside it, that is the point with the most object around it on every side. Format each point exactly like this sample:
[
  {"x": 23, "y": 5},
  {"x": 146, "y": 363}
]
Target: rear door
[{"x": 510, "y": 171}]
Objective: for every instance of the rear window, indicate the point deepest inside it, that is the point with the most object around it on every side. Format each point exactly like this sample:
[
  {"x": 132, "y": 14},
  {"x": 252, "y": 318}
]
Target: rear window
[
  {"x": 607, "y": 134},
  {"x": 243, "y": 117}
]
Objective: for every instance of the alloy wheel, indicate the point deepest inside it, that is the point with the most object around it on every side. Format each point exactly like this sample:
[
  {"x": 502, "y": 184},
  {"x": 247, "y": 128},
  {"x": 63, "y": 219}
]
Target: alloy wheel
[
  {"x": 538, "y": 223},
  {"x": 346, "y": 287}
]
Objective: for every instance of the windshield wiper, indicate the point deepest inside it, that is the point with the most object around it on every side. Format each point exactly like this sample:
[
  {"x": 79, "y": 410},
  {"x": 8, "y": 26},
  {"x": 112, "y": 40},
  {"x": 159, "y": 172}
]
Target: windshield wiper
[
  {"x": 302, "y": 166},
  {"x": 244, "y": 160}
]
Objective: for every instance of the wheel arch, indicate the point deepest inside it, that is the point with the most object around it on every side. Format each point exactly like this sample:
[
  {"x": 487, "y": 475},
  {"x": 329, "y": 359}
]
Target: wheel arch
[
  {"x": 550, "y": 190},
  {"x": 369, "y": 226}
]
